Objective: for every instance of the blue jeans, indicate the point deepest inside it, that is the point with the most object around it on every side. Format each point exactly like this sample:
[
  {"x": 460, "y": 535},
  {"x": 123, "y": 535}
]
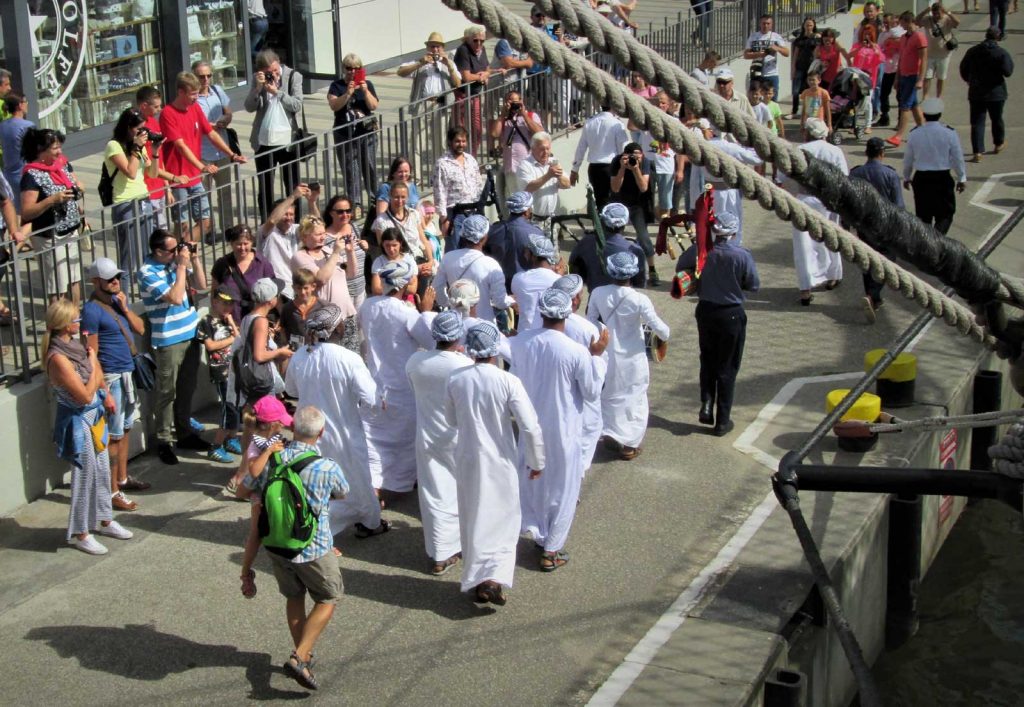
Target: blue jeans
[
  {"x": 133, "y": 222},
  {"x": 229, "y": 418}
]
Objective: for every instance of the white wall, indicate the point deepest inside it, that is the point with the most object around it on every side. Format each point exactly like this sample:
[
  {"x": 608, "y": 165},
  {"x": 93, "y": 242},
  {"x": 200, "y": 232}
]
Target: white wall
[{"x": 380, "y": 29}]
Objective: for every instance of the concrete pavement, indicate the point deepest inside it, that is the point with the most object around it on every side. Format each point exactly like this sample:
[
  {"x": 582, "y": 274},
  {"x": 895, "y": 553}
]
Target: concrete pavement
[{"x": 160, "y": 619}]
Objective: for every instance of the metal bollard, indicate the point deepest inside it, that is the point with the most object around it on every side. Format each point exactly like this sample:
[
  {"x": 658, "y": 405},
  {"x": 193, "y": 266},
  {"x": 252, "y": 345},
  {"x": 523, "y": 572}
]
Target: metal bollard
[{"x": 785, "y": 688}]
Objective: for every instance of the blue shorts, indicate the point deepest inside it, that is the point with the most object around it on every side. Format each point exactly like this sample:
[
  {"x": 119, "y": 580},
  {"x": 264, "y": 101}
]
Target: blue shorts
[
  {"x": 906, "y": 92},
  {"x": 666, "y": 183},
  {"x": 195, "y": 199},
  {"x": 121, "y": 420}
]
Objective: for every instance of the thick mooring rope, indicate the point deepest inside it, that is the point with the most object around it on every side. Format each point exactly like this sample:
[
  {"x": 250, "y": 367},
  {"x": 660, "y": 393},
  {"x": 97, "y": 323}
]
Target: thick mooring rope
[
  {"x": 874, "y": 218},
  {"x": 503, "y": 23}
]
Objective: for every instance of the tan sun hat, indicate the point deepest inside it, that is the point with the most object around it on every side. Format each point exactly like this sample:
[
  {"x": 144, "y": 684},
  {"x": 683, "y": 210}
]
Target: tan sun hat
[{"x": 435, "y": 38}]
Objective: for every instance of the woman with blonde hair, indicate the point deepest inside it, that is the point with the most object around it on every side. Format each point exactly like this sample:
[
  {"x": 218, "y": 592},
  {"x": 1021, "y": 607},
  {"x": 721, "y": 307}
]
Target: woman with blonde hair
[
  {"x": 333, "y": 266},
  {"x": 80, "y": 430}
]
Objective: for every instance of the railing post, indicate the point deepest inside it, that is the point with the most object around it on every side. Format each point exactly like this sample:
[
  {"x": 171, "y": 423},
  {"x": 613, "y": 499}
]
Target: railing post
[{"x": 19, "y": 307}]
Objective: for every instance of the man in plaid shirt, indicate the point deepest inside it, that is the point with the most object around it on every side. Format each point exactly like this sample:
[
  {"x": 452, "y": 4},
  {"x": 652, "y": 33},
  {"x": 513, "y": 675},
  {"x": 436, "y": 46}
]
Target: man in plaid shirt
[{"x": 315, "y": 570}]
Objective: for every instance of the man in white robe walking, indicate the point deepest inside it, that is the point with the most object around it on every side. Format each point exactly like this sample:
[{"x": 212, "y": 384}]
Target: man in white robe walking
[
  {"x": 328, "y": 376},
  {"x": 470, "y": 263},
  {"x": 389, "y": 325},
  {"x": 624, "y": 311},
  {"x": 815, "y": 264},
  {"x": 481, "y": 402},
  {"x": 528, "y": 285},
  {"x": 584, "y": 332},
  {"x": 428, "y": 373},
  {"x": 726, "y": 199},
  {"x": 559, "y": 376}
]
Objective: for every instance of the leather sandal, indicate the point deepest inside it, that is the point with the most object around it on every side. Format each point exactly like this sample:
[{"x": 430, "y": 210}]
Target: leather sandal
[
  {"x": 300, "y": 671},
  {"x": 551, "y": 561},
  {"x": 629, "y": 453}
]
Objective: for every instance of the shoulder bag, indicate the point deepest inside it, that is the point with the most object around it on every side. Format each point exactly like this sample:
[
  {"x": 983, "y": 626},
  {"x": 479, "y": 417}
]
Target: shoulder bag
[{"x": 305, "y": 146}]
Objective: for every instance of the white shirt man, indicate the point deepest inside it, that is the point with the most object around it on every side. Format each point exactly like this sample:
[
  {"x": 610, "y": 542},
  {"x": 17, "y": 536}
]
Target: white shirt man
[
  {"x": 279, "y": 235},
  {"x": 428, "y": 373},
  {"x": 764, "y": 45},
  {"x": 559, "y": 375},
  {"x": 481, "y": 402},
  {"x": 601, "y": 140},
  {"x": 336, "y": 381},
  {"x": 470, "y": 263},
  {"x": 541, "y": 175},
  {"x": 528, "y": 285}
]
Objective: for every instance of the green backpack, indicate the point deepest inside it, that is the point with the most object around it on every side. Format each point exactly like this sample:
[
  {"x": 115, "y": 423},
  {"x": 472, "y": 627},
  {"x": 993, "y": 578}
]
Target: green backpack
[{"x": 286, "y": 524}]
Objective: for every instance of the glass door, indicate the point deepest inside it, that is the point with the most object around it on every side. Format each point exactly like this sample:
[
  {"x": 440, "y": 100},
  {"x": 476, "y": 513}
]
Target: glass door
[{"x": 315, "y": 36}]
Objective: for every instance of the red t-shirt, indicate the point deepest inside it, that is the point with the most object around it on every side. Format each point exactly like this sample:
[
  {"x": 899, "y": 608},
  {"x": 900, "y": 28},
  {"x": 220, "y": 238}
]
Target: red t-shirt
[
  {"x": 189, "y": 125},
  {"x": 910, "y": 45},
  {"x": 867, "y": 59},
  {"x": 154, "y": 184}
]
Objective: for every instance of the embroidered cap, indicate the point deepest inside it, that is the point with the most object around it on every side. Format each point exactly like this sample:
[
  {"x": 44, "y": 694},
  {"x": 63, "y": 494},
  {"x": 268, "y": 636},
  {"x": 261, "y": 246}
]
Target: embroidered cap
[
  {"x": 482, "y": 340},
  {"x": 447, "y": 327},
  {"x": 555, "y": 304},
  {"x": 622, "y": 266},
  {"x": 474, "y": 228}
]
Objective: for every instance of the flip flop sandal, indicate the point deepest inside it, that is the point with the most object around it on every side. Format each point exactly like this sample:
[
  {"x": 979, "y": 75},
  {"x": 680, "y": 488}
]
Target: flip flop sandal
[
  {"x": 362, "y": 532},
  {"x": 549, "y": 562},
  {"x": 299, "y": 671},
  {"x": 249, "y": 584},
  {"x": 440, "y": 568},
  {"x": 629, "y": 453}
]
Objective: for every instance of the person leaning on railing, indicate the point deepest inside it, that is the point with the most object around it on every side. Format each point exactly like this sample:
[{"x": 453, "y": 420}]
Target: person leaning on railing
[
  {"x": 217, "y": 106},
  {"x": 49, "y": 201},
  {"x": 126, "y": 159}
]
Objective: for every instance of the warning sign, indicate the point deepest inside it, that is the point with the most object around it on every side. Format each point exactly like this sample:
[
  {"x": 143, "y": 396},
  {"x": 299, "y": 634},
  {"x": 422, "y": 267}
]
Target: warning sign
[{"x": 947, "y": 460}]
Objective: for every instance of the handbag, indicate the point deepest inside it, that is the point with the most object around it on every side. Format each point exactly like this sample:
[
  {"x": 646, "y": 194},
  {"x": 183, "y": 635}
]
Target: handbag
[
  {"x": 230, "y": 134},
  {"x": 99, "y": 433},
  {"x": 144, "y": 366},
  {"x": 252, "y": 380},
  {"x": 952, "y": 43},
  {"x": 305, "y": 141}
]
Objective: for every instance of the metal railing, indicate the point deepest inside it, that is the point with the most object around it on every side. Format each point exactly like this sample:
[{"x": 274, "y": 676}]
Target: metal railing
[{"x": 28, "y": 278}]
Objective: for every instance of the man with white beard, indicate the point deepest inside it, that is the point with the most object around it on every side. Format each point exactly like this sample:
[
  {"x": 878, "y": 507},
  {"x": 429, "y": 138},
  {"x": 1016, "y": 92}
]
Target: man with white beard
[
  {"x": 389, "y": 325},
  {"x": 560, "y": 376},
  {"x": 815, "y": 264},
  {"x": 481, "y": 402},
  {"x": 584, "y": 332},
  {"x": 328, "y": 376},
  {"x": 428, "y": 372},
  {"x": 726, "y": 199}
]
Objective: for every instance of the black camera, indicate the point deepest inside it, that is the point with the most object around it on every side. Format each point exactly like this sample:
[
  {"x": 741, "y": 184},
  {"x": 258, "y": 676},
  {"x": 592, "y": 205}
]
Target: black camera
[
  {"x": 185, "y": 245},
  {"x": 156, "y": 138},
  {"x": 631, "y": 161},
  {"x": 515, "y": 107},
  {"x": 76, "y": 193},
  {"x": 936, "y": 31}
]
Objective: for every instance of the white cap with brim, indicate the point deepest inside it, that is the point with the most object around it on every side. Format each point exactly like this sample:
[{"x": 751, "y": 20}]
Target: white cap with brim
[
  {"x": 104, "y": 269},
  {"x": 816, "y": 128},
  {"x": 723, "y": 74}
]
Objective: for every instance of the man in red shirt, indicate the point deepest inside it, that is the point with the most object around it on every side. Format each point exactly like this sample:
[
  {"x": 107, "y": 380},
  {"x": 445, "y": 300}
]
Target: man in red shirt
[
  {"x": 149, "y": 101},
  {"x": 183, "y": 124},
  {"x": 910, "y": 75}
]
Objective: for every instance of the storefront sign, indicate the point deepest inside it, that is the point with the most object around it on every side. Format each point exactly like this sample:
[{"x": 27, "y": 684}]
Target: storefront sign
[{"x": 58, "y": 45}]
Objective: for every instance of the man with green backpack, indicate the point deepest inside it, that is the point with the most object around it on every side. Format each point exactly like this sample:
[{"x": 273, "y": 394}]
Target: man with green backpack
[{"x": 296, "y": 530}]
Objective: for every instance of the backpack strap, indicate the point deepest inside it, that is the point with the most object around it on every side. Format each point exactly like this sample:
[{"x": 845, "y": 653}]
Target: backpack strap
[{"x": 120, "y": 324}]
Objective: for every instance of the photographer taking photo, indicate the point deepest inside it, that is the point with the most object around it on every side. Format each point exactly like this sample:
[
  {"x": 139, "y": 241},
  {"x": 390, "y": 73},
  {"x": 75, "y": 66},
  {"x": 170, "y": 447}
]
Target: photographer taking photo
[
  {"x": 513, "y": 130},
  {"x": 631, "y": 182}
]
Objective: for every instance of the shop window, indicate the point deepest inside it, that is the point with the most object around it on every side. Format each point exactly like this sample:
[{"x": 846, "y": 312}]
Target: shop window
[
  {"x": 216, "y": 35},
  {"x": 87, "y": 73}
]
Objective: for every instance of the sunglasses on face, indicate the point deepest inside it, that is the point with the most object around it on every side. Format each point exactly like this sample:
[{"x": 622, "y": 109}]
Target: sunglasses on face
[
  {"x": 341, "y": 211},
  {"x": 204, "y": 77},
  {"x": 112, "y": 280}
]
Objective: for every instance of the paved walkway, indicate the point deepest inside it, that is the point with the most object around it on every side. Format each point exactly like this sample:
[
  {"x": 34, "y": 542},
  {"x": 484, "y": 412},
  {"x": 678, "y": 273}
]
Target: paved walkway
[{"x": 160, "y": 619}]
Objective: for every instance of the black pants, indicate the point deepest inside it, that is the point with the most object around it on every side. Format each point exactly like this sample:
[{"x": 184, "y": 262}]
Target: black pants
[
  {"x": 935, "y": 199},
  {"x": 600, "y": 176},
  {"x": 997, "y": 15},
  {"x": 721, "y": 332},
  {"x": 266, "y": 159},
  {"x": 994, "y": 110},
  {"x": 888, "y": 81}
]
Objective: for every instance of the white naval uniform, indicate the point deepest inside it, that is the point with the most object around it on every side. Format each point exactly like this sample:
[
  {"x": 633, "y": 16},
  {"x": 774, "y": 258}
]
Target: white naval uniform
[
  {"x": 335, "y": 380},
  {"x": 428, "y": 373},
  {"x": 624, "y": 398},
  {"x": 388, "y": 325},
  {"x": 584, "y": 332},
  {"x": 814, "y": 263},
  {"x": 481, "y": 402},
  {"x": 559, "y": 376},
  {"x": 726, "y": 199},
  {"x": 527, "y": 287}
]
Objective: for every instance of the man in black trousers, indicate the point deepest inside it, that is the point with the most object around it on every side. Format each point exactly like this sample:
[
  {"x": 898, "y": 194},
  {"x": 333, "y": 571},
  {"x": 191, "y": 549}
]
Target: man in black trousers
[
  {"x": 721, "y": 322},
  {"x": 933, "y": 151},
  {"x": 985, "y": 67}
]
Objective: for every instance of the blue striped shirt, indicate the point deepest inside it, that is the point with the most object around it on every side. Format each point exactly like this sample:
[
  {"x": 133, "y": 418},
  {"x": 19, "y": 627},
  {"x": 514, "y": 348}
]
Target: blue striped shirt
[
  {"x": 171, "y": 323},
  {"x": 321, "y": 478}
]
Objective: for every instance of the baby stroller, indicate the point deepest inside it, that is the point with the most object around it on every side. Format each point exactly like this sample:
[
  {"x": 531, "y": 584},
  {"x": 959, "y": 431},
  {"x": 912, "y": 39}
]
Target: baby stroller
[{"x": 851, "y": 98}]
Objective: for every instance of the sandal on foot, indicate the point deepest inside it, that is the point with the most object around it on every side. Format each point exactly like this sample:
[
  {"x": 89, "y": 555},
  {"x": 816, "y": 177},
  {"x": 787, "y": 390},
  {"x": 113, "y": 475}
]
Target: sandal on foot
[
  {"x": 299, "y": 670},
  {"x": 249, "y": 584},
  {"x": 629, "y": 453},
  {"x": 440, "y": 568},
  {"x": 551, "y": 561},
  {"x": 362, "y": 532}
]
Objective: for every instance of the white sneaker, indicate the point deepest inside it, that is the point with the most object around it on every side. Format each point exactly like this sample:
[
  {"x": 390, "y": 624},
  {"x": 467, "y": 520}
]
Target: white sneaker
[
  {"x": 115, "y": 530},
  {"x": 90, "y": 545}
]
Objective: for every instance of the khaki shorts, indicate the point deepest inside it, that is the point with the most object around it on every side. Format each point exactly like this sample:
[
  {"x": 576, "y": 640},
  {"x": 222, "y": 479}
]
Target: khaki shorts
[
  {"x": 937, "y": 68},
  {"x": 321, "y": 578}
]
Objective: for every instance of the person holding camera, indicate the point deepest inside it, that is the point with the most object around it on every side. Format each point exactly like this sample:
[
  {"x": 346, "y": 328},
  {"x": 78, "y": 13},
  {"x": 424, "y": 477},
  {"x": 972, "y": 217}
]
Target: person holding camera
[
  {"x": 433, "y": 74},
  {"x": 149, "y": 102},
  {"x": 763, "y": 49},
  {"x": 128, "y": 161},
  {"x": 353, "y": 99},
  {"x": 333, "y": 265},
  {"x": 631, "y": 186},
  {"x": 938, "y": 23},
  {"x": 50, "y": 192},
  {"x": 163, "y": 283},
  {"x": 542, "y": 176},
  {"x": 276, "y": 98},
  {"x": 513, "y": 130}
]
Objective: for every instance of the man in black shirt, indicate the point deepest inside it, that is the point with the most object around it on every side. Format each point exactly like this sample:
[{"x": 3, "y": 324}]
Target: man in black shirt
[
  {"x": 631, "y": 182},
  {"x": 472, "y": 62},
  {"x": 353, "y": 99}
]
